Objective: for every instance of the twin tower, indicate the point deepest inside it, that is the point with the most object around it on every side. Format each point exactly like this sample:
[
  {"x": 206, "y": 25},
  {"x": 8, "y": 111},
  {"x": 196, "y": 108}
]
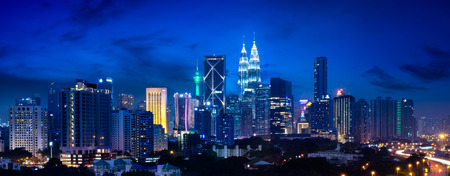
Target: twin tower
[{"x": 249, "y": 71}]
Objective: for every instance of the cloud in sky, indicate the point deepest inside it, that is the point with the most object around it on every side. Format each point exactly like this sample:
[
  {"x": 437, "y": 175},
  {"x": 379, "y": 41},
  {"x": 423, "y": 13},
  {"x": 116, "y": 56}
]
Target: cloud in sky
[
  {"x": 437, "y": 68},
  {"x": 380, "y": 78}
]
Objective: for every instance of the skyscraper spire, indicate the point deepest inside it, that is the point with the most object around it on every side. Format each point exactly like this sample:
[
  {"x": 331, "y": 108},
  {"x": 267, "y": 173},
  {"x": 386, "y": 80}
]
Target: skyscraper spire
[
  {"x": 254, "y": 69},
  {"x": 197, "y": 79},
  {"x": 243, "y": 71}
]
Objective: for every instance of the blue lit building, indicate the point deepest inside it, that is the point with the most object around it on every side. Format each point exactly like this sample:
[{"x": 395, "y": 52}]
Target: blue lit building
[{"x": 225, "y": 130}]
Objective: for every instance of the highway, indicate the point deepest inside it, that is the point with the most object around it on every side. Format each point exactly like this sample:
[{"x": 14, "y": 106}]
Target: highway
[{"x": 438, "y": 166}]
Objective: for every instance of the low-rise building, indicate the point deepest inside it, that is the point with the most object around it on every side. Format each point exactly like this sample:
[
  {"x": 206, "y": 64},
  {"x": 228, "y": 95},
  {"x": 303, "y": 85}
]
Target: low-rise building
[
  {"x": 114, "y": 166},
  {"x": 7, "y": 164}
]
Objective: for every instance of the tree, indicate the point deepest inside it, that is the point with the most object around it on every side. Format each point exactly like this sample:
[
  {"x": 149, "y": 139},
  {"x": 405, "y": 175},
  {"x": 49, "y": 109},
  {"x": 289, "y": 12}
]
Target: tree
[{"x": 17, "y": 155}]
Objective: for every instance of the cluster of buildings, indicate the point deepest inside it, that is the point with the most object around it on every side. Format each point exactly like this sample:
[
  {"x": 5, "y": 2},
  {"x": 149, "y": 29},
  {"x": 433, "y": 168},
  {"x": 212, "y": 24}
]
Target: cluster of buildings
[{"x": 83, "y": 121}]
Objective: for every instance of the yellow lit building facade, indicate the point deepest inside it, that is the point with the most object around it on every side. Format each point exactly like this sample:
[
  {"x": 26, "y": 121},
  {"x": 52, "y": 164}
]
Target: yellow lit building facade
[{"x": 156, "y": 99}]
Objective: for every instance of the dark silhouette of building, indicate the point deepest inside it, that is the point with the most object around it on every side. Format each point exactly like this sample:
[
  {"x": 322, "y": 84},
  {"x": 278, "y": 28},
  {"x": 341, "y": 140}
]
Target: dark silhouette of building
[
  {"x": 320, "y": 78},
  {"x": 225, "y": 130},
  {"x": 362, "y": 121},
  {"x": 281, "y": 106}
]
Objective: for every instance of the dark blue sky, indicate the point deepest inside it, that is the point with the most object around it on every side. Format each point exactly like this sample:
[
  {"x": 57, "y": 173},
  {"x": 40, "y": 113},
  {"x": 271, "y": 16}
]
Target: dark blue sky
[{"x": 380, "y": 48}]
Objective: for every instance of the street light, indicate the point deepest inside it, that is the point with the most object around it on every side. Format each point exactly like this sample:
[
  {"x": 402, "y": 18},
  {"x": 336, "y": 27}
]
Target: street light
[
  {"x": 398, "y": 168},
  {"x": 51, "y": 149},
  {"x": 373, "y": 173}
]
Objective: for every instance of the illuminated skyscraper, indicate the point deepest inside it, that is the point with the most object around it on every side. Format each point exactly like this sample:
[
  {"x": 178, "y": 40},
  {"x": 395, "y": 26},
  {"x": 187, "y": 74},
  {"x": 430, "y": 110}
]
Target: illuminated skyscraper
[
  {"x": 234, "y": 110},
  {"x": 28, "y": 125},
  {"x": 126, "y": 101},
  {"x": 247, "y": 113},
  {"x": 182, "y": 103},
  {"x": 254, "y": 70},
  {"x": 156, "y": 99},
  {"x": 197, "y": 80},
  {"x": 343, "y": 116},
  {"x": 281, "y": 106},
  {"x": 214, "y": 83},
  {"x": 243, "y": 72},
  {"x": 262, "y": 110},
  {"x": 320, "y": 78}
]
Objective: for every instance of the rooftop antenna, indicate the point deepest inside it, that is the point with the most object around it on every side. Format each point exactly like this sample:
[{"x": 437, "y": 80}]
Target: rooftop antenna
[{"x": 254, "y": 37}]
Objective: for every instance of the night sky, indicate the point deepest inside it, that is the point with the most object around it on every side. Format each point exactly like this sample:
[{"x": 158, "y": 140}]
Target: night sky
[{"x": 399, "y": 49}]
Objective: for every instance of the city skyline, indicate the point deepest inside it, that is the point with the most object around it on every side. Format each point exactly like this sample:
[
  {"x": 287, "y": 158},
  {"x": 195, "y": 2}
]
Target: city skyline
[{"x": 373, "y": 49}]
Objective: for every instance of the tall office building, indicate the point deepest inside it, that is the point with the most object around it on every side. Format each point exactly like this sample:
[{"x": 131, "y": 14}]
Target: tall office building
[
  {"x": 28, "y": 125},
  {"x": 362, "y": 121},
  {"x": 203, "y": 120},
  {"x": 182, "y": 108},
  {"x": 319, "y": 114},
  {"x": 407, "y": 122},
  {"x": 243, "y": 72},
  {"x": 254, "y": 69},
  {"x": 126, "y": 101},
  {"x": 156, "y": 99},
  {"x": 85, "y": 120},
  {"x": 247, "y": 113},
  {"x": 320, "y": 78},
  {"x": 225, "y": 130},
  {"x": 383, "y": 118},
  {"x": 262, "y": 110},
  {"x": 214, "y": 83},
  {"x": 343, "y": 116},
  {"x": 4, "y": 134},
  {"x": 234, "y": 110},
  {"x": 281, "y": 106},
  {"x": 197, "y": 80}
]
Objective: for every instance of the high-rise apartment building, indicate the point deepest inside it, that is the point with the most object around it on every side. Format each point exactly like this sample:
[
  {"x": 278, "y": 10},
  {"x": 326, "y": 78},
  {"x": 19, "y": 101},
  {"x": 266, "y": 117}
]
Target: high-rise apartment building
[
  {"x": 362, "y": 121},
  {"x": 407, "y": 122},
  {"x": 343, "y": 116},
  {"x": 126, "y": 101},
  {"x": 85, "y": 120},
  {"x": 160, "y": 139},
  {"x": 156, "y": 101},
  {"x": 132, "y": 132},
  {"x": 214, "y": 83},
  {"x": 383, "y": 118},
  {"x": 281, "y": 106},
  {"x": 262, "y": 110},
  {"x": 28, "y": 125},
  {"x": 254, "y": 69},
  {"x": 320, "y": 78}
]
